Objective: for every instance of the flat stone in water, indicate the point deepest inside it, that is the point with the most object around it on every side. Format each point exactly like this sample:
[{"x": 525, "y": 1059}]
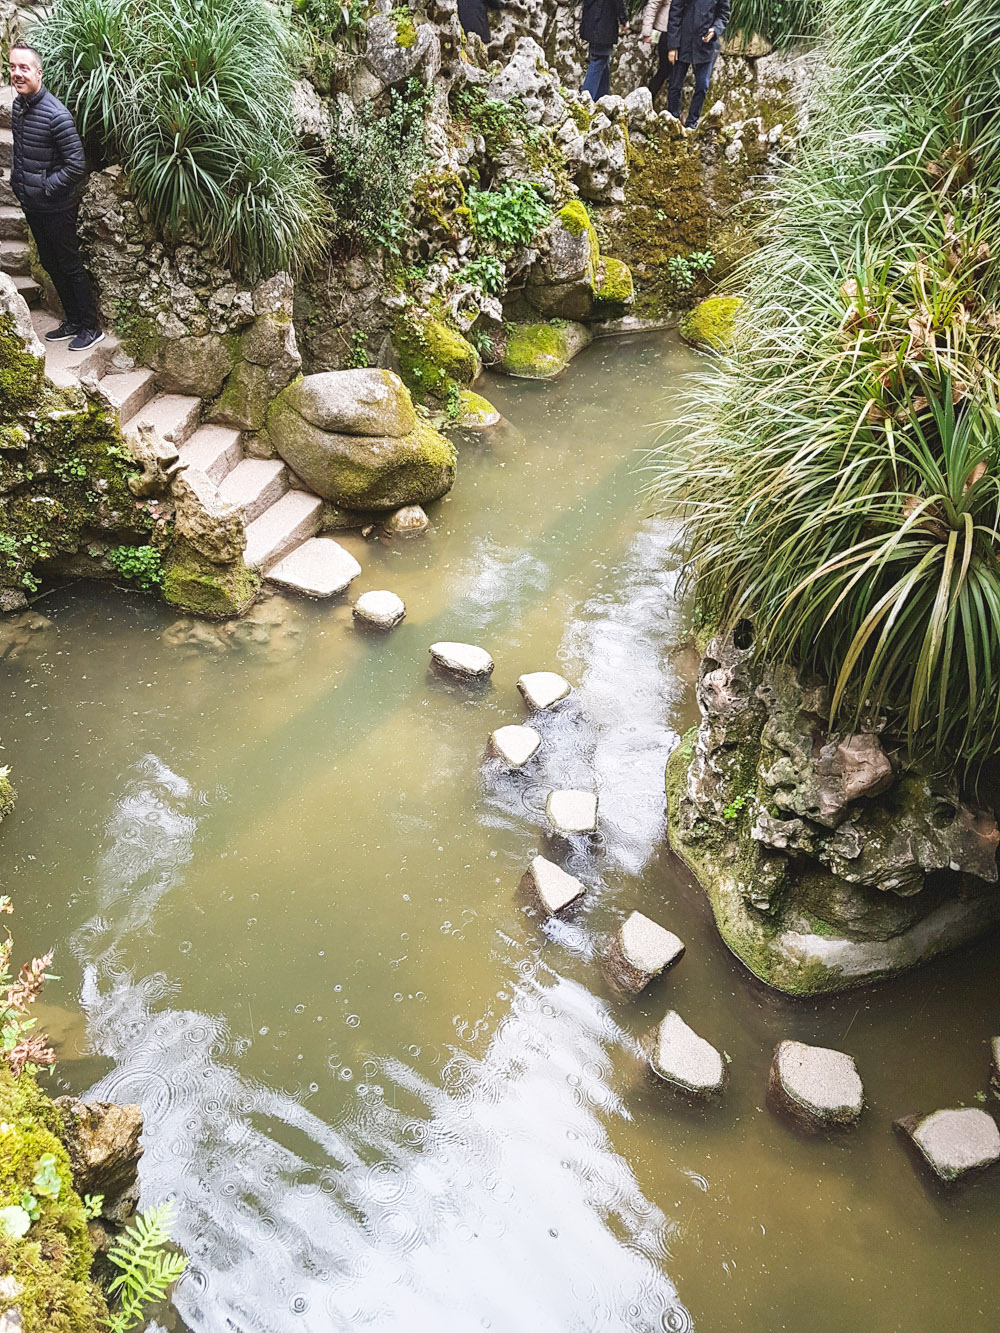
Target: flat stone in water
[
  {"x": 818, "y": 1087},
  {"x": 549, "y": 886},
  {"x": 685, "y": 1060},
  {"x": 543, "y": 689},
  {"x": 572, "y": 811},
  {"x": 464, "y": 659},
  {"x": 514, "y": 745},
  {"x": 380, "y": 608},
  {"x": 320, "y": 567},
  {"x": 641, "y": 951},
  {"x": 954, "y": 1143}
]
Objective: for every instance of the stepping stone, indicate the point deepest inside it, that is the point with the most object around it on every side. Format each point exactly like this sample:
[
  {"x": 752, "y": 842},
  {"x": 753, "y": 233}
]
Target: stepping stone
[
  {"x": 514, "y": 745},
  {"x": 407, "y": 521},
  {"x": 641, "y": 951},
  {"x": 383, "y": 609},
  {"x": 543, "y": 689},
  {"x": 320, "y": 567},
  {"x": 954, "y": 1144},
  {"x": 572, "y": 811},
  {"x": 817, "y": 1087},
  {"x": 463, "y": 659},
  {"x": 549, "y": 887},
  {"x": 685, "y": 1060}
]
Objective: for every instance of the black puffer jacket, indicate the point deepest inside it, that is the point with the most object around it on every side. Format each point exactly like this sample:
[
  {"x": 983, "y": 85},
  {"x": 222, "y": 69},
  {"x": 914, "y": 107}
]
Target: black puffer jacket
[
  {"x": 600, "y": 21},
  {"x": 49, "y": 166},
  {"x": 689, "y": 21}
]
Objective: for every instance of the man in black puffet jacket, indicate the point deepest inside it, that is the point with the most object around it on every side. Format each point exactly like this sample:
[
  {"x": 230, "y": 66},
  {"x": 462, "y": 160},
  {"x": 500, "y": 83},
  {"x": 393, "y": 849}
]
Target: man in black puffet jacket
[{"x": 47, "y": 177}]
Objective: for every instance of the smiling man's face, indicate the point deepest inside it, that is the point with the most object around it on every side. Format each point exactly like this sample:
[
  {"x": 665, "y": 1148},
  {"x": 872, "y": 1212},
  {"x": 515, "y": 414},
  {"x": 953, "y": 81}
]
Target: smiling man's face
[{"x": 25, "y": 72}]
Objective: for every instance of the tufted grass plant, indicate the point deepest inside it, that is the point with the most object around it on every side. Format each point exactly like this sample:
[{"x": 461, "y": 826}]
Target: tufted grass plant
[
  {"x": 781, "y": 22},
  {"x": 193, "y": 97},
  {"x": 839, "y": 475}
]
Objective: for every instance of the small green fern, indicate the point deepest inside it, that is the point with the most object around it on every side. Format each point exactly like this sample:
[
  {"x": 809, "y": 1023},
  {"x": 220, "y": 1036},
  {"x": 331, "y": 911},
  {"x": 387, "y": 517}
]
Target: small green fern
[{"x": 147, "y": 1269}]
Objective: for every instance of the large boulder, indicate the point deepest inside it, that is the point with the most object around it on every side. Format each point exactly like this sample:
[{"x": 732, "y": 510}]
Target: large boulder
[
  {"x": 541, "y": 351},
  {"x": 194, "y": 365},
  {"x": 22, "y": 357},
  {"x": 562, "y": 282},
  {"x": 355, "y": 402}
]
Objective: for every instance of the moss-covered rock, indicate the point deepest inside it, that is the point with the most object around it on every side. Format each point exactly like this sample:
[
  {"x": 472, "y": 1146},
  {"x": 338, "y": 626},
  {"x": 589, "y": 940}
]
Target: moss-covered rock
[
  {"x": 433, "y": 356},
  {"x": 244, "y": 399},
  {"x": 193, "y": 365},
  {"x": 193, "y": 583},
  {"x": 48, "y": 1268},
  {"x": 614, "y": 288},
  {"x": 7, "y": 793},
  {"x": 541, "y": 351},
  {"x": 709, "y": 326},
  {"x": 475, "y": 413},
  {"x": 20, "y": 371}
]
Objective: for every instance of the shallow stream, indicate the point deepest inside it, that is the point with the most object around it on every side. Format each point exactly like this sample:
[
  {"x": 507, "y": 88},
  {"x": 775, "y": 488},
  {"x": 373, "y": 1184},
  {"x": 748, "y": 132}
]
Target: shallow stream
[{"x": 279, "y": 873}]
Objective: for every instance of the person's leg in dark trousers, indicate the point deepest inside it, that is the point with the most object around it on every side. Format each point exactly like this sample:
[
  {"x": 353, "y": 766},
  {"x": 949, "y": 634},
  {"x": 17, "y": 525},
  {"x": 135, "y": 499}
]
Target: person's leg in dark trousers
[
  {"x": 598, "y": 80},
  {"x": 702, "y": 78},
  {"x": 59, "y": 254},
  {"x": 678, "y": 73},
  {"x": 659, "y": 76}
]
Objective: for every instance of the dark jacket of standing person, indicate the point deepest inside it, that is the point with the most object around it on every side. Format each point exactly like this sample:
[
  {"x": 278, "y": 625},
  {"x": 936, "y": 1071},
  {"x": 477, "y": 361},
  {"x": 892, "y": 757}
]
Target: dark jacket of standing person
[
  {"x": 601, "y": 21},
  {"x": 49, "y": 167},
  {"x": 689, "y": 21},
  {"x": 473, "y": 16}
]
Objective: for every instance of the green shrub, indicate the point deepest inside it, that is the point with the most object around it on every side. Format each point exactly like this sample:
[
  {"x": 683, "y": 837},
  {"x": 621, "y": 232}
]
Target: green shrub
[
  {"x": 509, "y": 217},
  {"x": 193, "y": 97}
]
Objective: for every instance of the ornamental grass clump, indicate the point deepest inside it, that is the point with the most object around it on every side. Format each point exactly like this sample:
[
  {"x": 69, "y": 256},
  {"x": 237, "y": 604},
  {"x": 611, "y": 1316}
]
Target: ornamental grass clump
[
  {"x": 840, "y": 477},
  {"x": 193, "y": 97}
]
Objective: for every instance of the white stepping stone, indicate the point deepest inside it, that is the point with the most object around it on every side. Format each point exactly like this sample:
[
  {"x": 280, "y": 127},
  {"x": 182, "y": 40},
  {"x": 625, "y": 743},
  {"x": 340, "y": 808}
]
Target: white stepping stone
[
  {"x": 818, "y": 1087},
  {"x": 543, "y": 689},
  {"x": 641, "y": 951},
  {"x": 464, "y": 659},
  {"x": 572, "y": 811},
  {"x": 954, "y": 1144},
  {"x": 549, "y": 886},
  {"x": 381, "y": 608},
  {"x": 319, "y": 567},
  {"x": 685, "y": 1060},
  {"x": 514, "y": 745}
]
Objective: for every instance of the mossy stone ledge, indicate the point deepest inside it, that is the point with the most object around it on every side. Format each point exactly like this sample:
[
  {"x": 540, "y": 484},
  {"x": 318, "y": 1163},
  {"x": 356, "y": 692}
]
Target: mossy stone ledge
[
  {"x": 541, "y": 351},
  {"x": 433, "y": 356},
  {"x": 197, "y": 585}
]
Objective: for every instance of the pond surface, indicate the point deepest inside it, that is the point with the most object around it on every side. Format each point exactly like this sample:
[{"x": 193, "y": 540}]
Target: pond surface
[{"x": 279, "y": 874}]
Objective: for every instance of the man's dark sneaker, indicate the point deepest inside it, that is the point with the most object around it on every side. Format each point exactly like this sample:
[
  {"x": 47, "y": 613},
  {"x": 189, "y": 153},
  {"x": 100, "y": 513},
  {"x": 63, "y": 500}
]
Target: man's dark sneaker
[
  {"x": 86, "y": 338},
  {"x": 65, "y": 330}
]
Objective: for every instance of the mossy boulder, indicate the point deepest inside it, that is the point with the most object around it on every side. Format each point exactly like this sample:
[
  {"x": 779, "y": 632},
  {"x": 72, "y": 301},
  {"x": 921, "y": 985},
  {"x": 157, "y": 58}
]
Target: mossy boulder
[
  {"x": 709, "y": 326},
  {"x": 244, "y": 399},
  {"x": 475, "y": 413},
  {"x": 22, "y": 359},
  {"x": 198, "y": 585},
  {"x": 614, "y": 288},
  {"x": 541, "y": 351},
  {"x": 432, "y": 356},
  {"x": 47, "y": 1269},
  {"x": 7, "y": 794},
  {"x": 562, "y": 282},
  {"x": 194, "y": 365},
  {"x": 354, "y": 402}
]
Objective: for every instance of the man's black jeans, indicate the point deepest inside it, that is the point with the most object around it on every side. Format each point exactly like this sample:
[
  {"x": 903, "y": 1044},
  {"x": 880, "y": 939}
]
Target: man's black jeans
[
  {"x": 59, "y": 254},
  {"x": 702, "y": 78}
]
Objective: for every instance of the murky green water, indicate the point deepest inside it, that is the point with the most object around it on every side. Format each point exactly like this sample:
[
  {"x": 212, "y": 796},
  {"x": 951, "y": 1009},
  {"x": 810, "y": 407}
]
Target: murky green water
[{"x": 284, "y": 883}]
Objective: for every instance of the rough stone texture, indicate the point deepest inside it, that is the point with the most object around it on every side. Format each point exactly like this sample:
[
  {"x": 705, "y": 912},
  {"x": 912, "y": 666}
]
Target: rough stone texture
[
  {"x": 572, "y": 811},
  {"x": 514, "y": 745},
  {"x": 400, "y": 49},
  {"x": 355, "y": 402},
  {"x": 462, "y": 659},
  {"x": 196, "y": 365},
  {"x": 817, "y": 1087},
  {"x": 549, "y": 887},
  {"x": 827, "y": 863},
  {"x": 995, "y": 1065},
  {"x": 104, "y": 1150},
  {"x": 562, "y": 280},
  {"x": 543, "y": 689},
  {"x": 214, "y": 528},
  {"x": 382, "y": 609},
  {"x": 407, "y": 522},
  {"x": 640, "y": 951},
  {"x": 686, "y": 1061},
  {"x": 954, "y": 1144},
  {"x": 320, "y": 567}
]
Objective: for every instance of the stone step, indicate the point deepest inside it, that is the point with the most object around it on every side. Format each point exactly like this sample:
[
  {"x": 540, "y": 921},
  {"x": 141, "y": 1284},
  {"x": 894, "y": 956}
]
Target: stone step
[
  {"x": 254, "y": 485},
  {"x": 13, "y": 225},
  {"x": 130, "y": 390},
  {"x": 286, "y": 524},
  {"x": 6, "y": 102},
  {"x": 29, "y": 288},
  {"x": 6, "y": 193},
  {"x": 6, "y": 147},
  {"x": 320, "y": 567},
  {"x": 214, "y": 450},
  {"x": 15, "y": 257},
  {"x": 64, "y": 367},
  {"x": 174, "y": 415}
]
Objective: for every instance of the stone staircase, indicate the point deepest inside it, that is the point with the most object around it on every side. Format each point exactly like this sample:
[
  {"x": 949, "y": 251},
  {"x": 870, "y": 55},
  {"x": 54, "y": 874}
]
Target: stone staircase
[{"x": 14, "y": 254}]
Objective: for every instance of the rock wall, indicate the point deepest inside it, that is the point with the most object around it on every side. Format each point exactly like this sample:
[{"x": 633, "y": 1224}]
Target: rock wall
[{"x": 827, "y": 860}]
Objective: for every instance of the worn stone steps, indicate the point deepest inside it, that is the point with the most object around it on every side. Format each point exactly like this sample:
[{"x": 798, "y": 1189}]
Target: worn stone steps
[
  {"x": 6, "y": 147},
  {"x": 13, "y": 226},
  {"x": 129, "y": 390},
  {"x": 28, "y": 287},
  {"x": 65, "y": 368},
  {"x": 254, "y": 485},
  {"x": 7, "y": 196},
  {"x": 214, "y": 450},
  {"x": 282, "y": 527},
  {"x": 15, "y": 257},
  {"x": 175, "y": 416}
]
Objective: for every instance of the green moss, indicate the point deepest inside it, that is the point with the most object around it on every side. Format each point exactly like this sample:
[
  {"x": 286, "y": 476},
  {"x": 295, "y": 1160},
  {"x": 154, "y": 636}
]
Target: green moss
[
  {"x": 474, "y": 411},
  {"x": 20, "y": 372},
  {"x": 406, "y": 29},
  {"x": 535, "y": 351},
  {"x": 574, "y": 218},
  {"x": 51, "y": 1262},
  {"x": 194, "y": 584},
  {"x": 433, "y": 356},
  {"x": 7, "y": 794},
  {"x": 244, "y": 399},
  {"x": 580, "y": 116},
  {"x": 709, "y": 326},
  {"x": 614, "y": 287}
]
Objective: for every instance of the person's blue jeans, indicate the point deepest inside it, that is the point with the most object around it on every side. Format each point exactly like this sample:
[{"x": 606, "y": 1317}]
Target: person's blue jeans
[
  {"x": 598, "y": 80},
  {"x": 702, "y": 78}
]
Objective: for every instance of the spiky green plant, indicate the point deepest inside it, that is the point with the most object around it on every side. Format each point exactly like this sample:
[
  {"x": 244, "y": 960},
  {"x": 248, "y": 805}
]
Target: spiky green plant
[
  {"x": 781, "y": 22},
  {"x": 839, "y": 475}
]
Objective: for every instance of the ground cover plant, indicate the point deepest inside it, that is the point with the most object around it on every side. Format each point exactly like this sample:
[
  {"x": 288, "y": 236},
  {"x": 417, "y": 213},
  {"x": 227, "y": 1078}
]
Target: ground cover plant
[{"x": 839, "y": 478}]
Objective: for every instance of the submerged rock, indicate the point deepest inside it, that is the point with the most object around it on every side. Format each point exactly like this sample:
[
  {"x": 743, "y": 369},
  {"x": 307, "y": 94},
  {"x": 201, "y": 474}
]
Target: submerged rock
[
  {"x": 641, "y": 951},
  {"x": 383, "y": 609},
  {"x": 817, "y": 1087},
  {"x": 102, "y": 1140},
  {"x": 407, "y": 522},
  {"x": 462, "y": 659},
  {"x": 543, "y": 689},
  {"x": 685, "y": 1060},
  {"x": 572, "y": 811},
  {"x": 514, "y": 745},
  {"x": 954, "y": 1144},
  {"x": 549, "y": 886}
]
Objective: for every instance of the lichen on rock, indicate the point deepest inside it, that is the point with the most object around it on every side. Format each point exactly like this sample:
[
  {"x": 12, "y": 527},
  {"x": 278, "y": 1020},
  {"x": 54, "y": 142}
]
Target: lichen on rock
[{"x": 709, "y": 326}]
